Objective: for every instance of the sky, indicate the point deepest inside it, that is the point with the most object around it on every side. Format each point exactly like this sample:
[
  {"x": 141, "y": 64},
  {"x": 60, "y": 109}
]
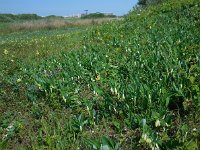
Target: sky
[{"x": 65, "y": 7}]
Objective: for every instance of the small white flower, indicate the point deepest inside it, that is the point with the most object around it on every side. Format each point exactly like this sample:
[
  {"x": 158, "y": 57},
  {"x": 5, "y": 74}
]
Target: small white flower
[
  {"x": 19, "y": 80},
  {"x": 95, "y": 93},
  {"x": 4, "y": 136},
  {"x": 87, "y": 108},
  {"x": 146, "y": 138},
  {"x": 118, "y": 96},
  {"x": 115, "y": 109},
  {"x": 9, "y": 127},
  {"x": 64, "y": 99},
  {"x": 166, "y": 125},
  {"x": 157, "y": 123},
  {"x": 115, "y": 91},
  {"x": 37, "y": 53},
  {"x": 112, "y": 91},
  {"x": 76, "y": 90},
  {"x": 195, "y": 129},
  {"x": 39, "y": 86},
  {"x": 123, "y": 96},
  {"x": 6, "y": 52}
]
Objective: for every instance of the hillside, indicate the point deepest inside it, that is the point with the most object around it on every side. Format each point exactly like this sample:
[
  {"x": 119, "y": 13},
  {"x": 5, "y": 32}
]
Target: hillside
[{"x": 129, "y": 84}]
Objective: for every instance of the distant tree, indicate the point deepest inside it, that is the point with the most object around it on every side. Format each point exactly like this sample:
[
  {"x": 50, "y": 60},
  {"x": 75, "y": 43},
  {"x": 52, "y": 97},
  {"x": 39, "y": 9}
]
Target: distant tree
[
  {"x": 155, "y": 1},
  {"x": 148, "y": 2},
  {"x": 142, "y": 2},
  {"x": 54, "y": 17},
  {"x": 97, "y": 15},
  {"x": 12, "y": 18},
  {"x": 28, "y": 17}
]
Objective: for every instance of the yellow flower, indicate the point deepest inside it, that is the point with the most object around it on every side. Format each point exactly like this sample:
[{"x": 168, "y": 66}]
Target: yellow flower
[
  {"x": 98, "y": 77},
  {"x": 19, "y": 80},
  {"x": 146, "y": 138},
  {"x": 6, "y": 52},
  {"x": 37, "y": 53}
]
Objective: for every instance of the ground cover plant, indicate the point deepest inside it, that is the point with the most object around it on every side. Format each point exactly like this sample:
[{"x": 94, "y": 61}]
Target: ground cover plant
[{"x": 129, "y": 84}]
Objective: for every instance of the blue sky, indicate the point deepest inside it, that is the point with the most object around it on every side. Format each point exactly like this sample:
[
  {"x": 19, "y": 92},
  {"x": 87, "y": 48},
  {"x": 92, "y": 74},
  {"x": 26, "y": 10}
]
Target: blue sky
[{"x": 65, "y": 7}]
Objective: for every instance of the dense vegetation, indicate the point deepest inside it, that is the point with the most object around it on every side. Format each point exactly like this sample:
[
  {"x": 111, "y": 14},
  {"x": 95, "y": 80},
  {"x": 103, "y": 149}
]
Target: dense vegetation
[
  {"x": 97, "y": 15},
  {"x": 50, "y": 23},
  {"x": 131, "y": 84},
  {"x": 13, "y": 18},
  {"x": 149, "y": 2}
]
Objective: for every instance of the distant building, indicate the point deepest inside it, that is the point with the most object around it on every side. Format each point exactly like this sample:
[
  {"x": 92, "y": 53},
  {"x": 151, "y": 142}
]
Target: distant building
[{"x": 73, "y": 16}]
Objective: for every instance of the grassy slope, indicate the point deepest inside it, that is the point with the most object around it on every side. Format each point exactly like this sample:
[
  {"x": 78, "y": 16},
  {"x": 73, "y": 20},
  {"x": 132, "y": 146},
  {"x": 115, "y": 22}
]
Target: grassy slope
[{"x": 132, "y": 84}]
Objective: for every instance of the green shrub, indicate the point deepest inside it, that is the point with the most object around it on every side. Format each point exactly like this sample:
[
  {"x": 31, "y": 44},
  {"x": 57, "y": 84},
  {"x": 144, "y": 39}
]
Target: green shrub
[
  {"x": 12, "y": 17},
  {"x": 96, "y": 15}
]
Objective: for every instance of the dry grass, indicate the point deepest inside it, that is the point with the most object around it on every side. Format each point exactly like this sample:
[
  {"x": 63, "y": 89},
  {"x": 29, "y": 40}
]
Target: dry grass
[
  {"x": 95, "y": 21},
  {"x": 40, "y": 24},
  {"x": 54, "y": 24}
]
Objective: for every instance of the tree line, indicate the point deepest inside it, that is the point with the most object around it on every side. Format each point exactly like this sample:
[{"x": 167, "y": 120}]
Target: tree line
[{"x": 149, "y": 2}]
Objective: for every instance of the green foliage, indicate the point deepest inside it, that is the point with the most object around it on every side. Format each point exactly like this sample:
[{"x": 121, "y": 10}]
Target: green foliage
[
  {"x": 149, "y": 2},
  {"x": 12, "y": 18},
  {"x": 142, "y": 2},
  {"x": 28, "y": 17},
  {"x": 131, "y": 84},
  {"x": 54, "y": 16},
  {"x": 97, "y": 15}
]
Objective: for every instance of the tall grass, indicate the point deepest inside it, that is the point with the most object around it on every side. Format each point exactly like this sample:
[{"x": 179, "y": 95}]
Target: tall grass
[
  {"x": 48, "y": 24},
  {"x": 40, "y": 24}
]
